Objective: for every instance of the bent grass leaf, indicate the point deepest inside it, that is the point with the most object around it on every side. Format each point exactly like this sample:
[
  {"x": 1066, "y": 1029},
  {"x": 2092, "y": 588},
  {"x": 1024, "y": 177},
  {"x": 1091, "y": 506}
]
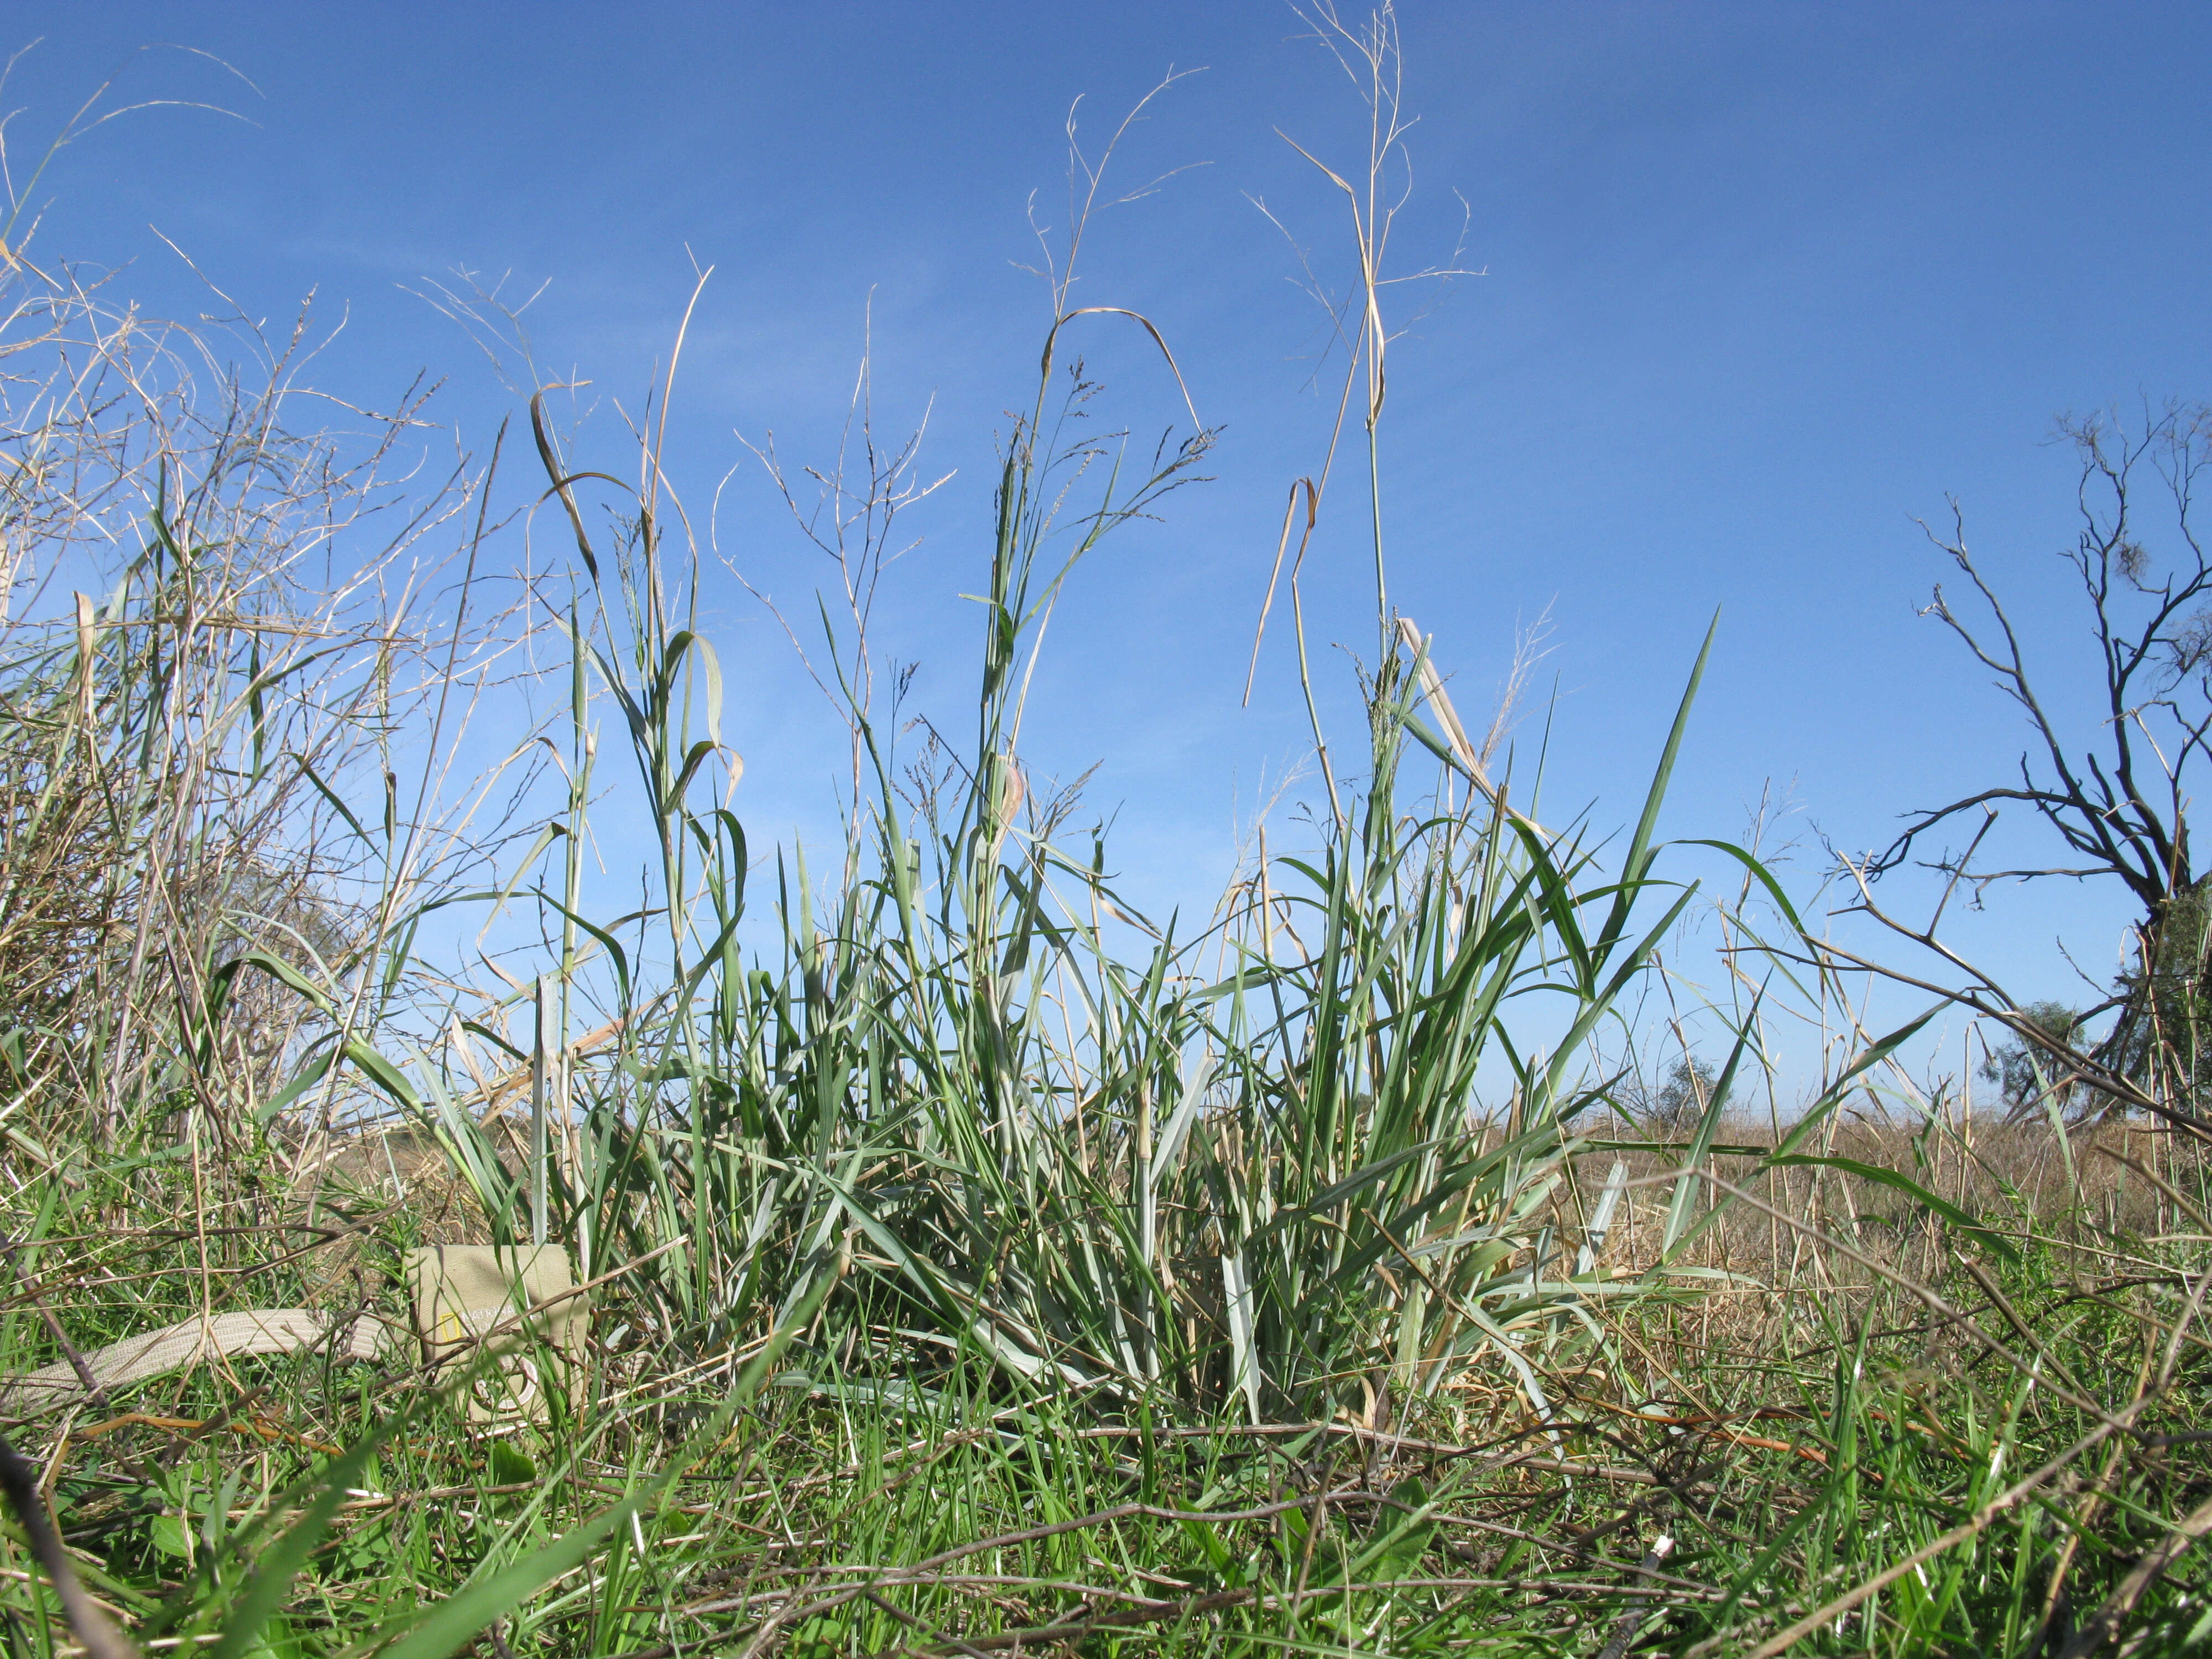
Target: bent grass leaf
[{"x": 1970, "y": 1224}]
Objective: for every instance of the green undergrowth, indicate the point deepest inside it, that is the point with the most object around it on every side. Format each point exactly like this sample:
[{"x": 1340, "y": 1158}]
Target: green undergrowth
[{"x": 886, "y": 1501}]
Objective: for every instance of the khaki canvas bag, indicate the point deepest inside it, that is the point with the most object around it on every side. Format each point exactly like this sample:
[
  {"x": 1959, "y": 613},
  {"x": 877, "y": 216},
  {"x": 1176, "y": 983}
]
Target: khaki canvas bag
[{"x": 473, "y": 1298}]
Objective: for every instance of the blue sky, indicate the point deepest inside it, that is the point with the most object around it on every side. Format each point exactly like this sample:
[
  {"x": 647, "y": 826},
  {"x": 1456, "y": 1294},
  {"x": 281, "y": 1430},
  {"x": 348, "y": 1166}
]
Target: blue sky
[{"x": 1763, "y": 283}]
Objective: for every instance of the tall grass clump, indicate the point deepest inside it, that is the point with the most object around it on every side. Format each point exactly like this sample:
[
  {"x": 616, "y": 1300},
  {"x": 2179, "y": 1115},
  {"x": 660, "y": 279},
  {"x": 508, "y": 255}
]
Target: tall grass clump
[{"x": 976, "y": 1261}]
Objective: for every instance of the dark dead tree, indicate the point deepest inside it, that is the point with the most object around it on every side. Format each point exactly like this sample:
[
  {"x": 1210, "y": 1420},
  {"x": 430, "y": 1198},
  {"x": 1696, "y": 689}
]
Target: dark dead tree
[{"x": 2117, "y": 800}]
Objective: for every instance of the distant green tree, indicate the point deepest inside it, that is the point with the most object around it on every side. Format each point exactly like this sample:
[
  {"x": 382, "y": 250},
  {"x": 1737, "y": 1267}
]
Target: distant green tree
[
  {"x": 1678, "y": 1103},
  {"x": 2024, "y": 1071}
]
